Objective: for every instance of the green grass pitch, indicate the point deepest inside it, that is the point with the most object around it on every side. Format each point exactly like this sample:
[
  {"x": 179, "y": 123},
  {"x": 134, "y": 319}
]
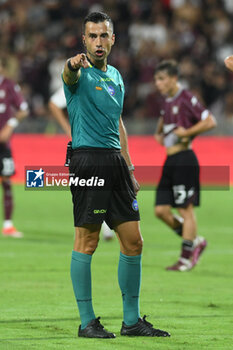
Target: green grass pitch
[{"x": 37, "y": 305}]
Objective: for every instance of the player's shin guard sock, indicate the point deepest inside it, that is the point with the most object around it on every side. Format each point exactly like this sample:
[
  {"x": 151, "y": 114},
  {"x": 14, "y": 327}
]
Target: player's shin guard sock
[
  {"x": 129, "y": 278},
  {"x": 179, "y": 221},
  {"x": 80, "y": 271},
  {"x": 187, "y": 249},
  {"x": 7, "y": 199},
  {"x": 178, "y": 230}
]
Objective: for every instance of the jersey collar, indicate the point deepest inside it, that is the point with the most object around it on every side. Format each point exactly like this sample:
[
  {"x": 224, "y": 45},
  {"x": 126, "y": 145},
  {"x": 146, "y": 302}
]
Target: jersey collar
[
  {"x": 92, "y": 65},
  {"x": 170, "y": 99}
]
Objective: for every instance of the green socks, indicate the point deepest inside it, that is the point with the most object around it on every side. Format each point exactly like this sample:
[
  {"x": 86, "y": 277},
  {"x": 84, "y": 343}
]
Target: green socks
[
  {"x": 80, "y": 271},
  {"x": 129, "y": 278}
]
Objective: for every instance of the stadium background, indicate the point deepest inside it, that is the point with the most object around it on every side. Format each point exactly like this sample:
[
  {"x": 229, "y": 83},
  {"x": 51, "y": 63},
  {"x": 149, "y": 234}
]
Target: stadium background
[
  {"x": 37, "y": 36},
  {"x": 35, "y": 39}
]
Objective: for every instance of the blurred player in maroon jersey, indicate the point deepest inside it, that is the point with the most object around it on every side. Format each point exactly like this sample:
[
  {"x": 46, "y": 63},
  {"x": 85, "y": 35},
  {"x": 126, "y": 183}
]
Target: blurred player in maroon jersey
[
  {"x": 182, "y": 117},
  {"x": 13, "y": 108}
]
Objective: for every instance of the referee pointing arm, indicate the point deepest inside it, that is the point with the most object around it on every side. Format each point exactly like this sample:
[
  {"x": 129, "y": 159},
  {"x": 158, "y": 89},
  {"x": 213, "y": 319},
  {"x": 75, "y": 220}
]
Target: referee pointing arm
[{"x": 94, "y": 94}]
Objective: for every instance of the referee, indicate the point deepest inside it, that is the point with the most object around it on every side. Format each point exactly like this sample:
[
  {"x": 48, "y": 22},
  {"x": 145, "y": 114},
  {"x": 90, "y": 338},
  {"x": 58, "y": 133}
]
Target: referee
[{"x": 106, "y": 187}]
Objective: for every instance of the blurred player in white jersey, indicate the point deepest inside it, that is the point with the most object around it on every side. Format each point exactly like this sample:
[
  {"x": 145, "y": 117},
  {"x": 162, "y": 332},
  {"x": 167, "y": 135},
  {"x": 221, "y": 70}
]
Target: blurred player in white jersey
[
  {"x": 57, "y": 104},
  {"x": 13, "y": 108}
]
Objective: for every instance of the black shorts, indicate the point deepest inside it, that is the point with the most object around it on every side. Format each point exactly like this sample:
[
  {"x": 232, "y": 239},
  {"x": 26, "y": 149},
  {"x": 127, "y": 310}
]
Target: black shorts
[
  {"x": 179, "y": 184},
  {"x": 104, "y": 191},
  {"x": 7, "y": 165}
]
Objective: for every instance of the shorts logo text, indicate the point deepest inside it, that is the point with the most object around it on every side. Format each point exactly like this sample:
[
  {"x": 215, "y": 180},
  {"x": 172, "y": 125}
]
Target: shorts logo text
[{"x": 99, "y": 211}]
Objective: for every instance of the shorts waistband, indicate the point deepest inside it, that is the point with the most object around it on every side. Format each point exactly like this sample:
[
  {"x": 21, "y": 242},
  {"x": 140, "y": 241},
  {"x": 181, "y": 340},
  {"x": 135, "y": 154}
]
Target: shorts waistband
[
  {"x": 96, "y": 150},
  {"x": 180, "y": 153}
]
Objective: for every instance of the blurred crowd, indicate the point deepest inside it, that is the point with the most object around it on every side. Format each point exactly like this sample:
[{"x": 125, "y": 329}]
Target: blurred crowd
[{"x": 37, "y": 36}]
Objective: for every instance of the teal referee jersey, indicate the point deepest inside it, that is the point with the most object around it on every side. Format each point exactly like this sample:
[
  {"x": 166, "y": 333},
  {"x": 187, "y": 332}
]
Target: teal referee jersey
[{"x": 94, "y": 106}]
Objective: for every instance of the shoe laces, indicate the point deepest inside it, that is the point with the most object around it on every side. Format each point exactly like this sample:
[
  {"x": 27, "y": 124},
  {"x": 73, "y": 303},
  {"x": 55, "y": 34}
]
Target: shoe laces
[
  {"x": 98, "y": 324},
  {"x": 146, "y": 322},
  {"x": 154, "y": 331}
]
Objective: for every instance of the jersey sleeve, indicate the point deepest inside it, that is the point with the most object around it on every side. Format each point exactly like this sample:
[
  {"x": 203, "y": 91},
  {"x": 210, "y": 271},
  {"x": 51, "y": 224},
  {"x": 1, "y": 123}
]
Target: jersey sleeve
[
  {"x": 69, "y": 90},
  {"x": 122, "y": 88},
  {"x": 196, "y": 111},
  {"x": 122, "y": 85},
  {"x": 17, "y": 100}
]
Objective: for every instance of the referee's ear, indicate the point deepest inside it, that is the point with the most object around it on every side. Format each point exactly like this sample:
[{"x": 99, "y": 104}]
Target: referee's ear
[
  {"x": 113, "y": 39},
  {"x": 84, "y": 42}
]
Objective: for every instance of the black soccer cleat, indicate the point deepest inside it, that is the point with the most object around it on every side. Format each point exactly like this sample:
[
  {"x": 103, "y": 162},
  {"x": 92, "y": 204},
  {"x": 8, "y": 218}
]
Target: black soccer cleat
[
  {"x": 94, "y": 329},
  {"x": 142, "y": 329}
]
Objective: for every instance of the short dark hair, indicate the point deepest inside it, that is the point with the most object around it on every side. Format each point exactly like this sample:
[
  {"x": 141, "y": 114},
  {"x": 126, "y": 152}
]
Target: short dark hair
[
  {"x": 97, "y": 17},
  {"x": 170, "y": 66}
]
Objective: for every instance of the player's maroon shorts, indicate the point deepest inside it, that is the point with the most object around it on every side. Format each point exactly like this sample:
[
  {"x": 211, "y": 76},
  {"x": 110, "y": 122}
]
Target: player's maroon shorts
[
  {"x": 104, "y": 189},
  {"x": 179, "y": 184}
]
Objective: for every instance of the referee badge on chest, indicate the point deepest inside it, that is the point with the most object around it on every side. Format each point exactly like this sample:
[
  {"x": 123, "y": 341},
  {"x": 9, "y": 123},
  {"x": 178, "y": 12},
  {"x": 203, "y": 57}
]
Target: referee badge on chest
[
  {"x": 111, "y": 90},
  {"x": 175, "y": 109}
]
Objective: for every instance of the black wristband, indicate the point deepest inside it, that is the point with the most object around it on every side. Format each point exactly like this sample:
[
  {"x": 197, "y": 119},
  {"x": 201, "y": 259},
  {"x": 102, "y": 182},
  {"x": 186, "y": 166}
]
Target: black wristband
[{"x": 70, "y": 67}]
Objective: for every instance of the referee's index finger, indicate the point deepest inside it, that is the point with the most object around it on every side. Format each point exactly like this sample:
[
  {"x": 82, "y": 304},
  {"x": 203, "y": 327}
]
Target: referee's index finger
[
  {"x": 84, "y": 61},
  {"x": 83, "y": 56},
  {"x": 79, "y": 57}
]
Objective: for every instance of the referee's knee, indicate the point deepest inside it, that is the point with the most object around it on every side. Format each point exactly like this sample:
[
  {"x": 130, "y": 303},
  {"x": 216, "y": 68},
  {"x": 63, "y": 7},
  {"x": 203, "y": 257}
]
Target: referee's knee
[
  {"x": 87, "y": 246},
  {"x": 139, "y": 245},
  {"x": 135, "y": 247}
]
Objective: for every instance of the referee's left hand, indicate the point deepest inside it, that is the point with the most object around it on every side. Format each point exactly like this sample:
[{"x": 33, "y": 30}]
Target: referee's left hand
[{"x": 135, "y": 183}]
